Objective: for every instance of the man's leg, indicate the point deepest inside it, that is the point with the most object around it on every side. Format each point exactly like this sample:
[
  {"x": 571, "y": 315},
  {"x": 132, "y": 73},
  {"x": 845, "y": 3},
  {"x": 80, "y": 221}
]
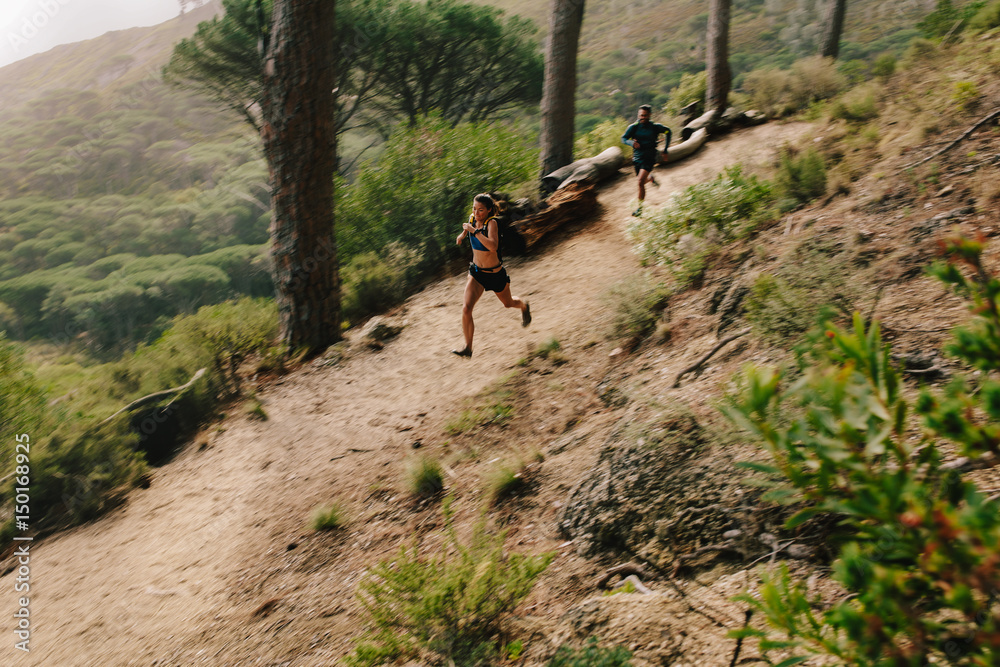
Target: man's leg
[{"x": 643, "y": 175}]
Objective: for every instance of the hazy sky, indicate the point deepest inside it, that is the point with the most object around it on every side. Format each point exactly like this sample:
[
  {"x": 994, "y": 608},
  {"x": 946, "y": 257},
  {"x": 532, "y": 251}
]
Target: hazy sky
[{"x": 33, "y": 26}]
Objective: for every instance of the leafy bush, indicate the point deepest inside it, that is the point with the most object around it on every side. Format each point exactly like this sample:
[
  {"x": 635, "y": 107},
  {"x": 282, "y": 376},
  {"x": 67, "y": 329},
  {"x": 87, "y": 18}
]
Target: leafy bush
[
  {"x": 884, "y": 66},
  {"x": 420, "y": 191},
  {"x": 425, "y": 476},
  {"x": 801, "y": 178},
  {"x": 328, "y": 517},
  {"x": 636, "y": 304},
  {"x": 987, "y": 18},
  {"x": 784, "y": 305},
  {"x": 730, "y": 206},
  {"x": 450, "y": 603},
  {"x": 919, "y": 563},
  {"x": 226, "y": 334},
  {"x": 965, "y": 94},
  {"x": 607, "y": 134},
  {"x": 857, "y": 105},
  {"x": 591, "y": 655},
  {"x": 690, "y": 89},
  {"x": 780, "y": 92},
  {"x": 374, "y": 282}
]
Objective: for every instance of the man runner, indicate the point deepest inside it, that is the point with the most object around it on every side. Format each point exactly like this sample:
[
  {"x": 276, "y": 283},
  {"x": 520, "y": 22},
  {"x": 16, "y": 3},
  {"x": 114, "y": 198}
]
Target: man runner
[{"x": 642, "y": 136}]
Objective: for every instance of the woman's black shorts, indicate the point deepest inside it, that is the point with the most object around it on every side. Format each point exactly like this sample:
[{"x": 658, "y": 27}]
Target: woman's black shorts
[{"x": 494, "y": 282}]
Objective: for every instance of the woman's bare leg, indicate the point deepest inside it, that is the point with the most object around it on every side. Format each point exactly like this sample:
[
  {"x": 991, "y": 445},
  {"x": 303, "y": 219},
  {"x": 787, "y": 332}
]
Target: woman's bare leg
[
  {"x": 473, "y": 290},
  {"x": 515, "y": 302}
]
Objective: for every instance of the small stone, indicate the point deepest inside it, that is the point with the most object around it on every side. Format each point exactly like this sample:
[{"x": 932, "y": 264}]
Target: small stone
[
  {"x": 799, "y": 551},
  {"x": 732, "y": 534},
  {"x": 945, "y": 191},
  {"x": 617, "y": 352}
]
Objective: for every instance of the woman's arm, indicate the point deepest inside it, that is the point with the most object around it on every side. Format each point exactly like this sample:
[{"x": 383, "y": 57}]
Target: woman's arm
[
  {"x": 491, "y": 239},
  {"x": 467, "y": 229}
]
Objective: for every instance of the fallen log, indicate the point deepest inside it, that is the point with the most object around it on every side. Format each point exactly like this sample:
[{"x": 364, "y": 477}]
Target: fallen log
[
  {"x": 702, "y": 121},
  {"x": 591, "y": 169},
  {"x": 571, "y": 203},
  {"x": 688, "y": 147}
]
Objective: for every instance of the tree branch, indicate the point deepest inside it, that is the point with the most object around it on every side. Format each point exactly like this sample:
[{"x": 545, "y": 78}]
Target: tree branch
[
  {"x": 992, "y": 116},
  {"x": 701, "y": 362}
]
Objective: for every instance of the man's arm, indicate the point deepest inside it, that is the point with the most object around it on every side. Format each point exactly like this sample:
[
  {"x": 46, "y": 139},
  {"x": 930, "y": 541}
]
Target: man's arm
[{"x": 627, "y": 137}]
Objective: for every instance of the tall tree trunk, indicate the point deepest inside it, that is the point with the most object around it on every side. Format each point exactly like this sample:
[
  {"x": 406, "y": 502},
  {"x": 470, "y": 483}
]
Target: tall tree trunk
[
  {"x": 833, "y": 26},
  {"x": 717, "y": 57},
  {"x": 299, "y": 143},
  {"x": 559, "y": 89}
]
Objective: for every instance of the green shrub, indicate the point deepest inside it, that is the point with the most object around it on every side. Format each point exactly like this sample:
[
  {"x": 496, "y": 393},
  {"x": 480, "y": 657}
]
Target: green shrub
[
  {"x": 451, "y": 602},
  {"x": 884, "y": 66},
  {"x": 917, "y": 554},
  {"x": 919, "y": 50},
  {"x": 636, "y": 304},
  {"x": 371, "y": 283},
  {"x": 607, "y": 134},
  {"x": 987, "y": 18},
  {"x": 425, "y": 476},
  {"x": 801, "y": 178},
  {"x": 856, "y": 105},
  {"x": 328, "y": 517},
  {"x": 223, "y": 335},
  {"x": 784, "y": 305},
  {"x": 730, "y": 206},
  {"x": 690, "y": 89},
  {"x": 505, "y": 479},
  {"x": 965, "y": 94},
  {"x": 591, "y": 655},
  {"x": 780, "y": 92},
  {"x": 420, "y": 191}
]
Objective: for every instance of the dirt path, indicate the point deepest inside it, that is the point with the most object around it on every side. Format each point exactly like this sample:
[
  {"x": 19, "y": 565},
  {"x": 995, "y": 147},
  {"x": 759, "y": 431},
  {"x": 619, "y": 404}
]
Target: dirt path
[{"x": 191, "y": 569}]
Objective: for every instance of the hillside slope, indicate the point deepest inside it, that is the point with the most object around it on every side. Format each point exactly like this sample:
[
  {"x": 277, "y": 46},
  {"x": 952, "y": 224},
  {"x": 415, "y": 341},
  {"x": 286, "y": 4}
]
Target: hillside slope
[
  {"x": 213, "y": 565},
  {"x": 113, "y": 60}
]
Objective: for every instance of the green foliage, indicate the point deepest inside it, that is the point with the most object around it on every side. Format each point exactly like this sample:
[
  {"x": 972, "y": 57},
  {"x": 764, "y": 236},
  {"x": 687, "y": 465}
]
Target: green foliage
[
  {"x": 451, "y": 602},
  {"x": 779, "y": 92},
  {"x": 784, "y": 305},
  {"x": 636, "y": 304},
  {"x": 946, "y": 18},
  {"x": 691, "y": 89},
  {"x": 608, "y": 133},
  {"x": 22, "y": 401},
  {"x": 591, "y": 655},
  {"x": 425, "y": 477},
  {"x": 801, "y": 178},
  {"x": 505, "y": 479},
  {"x": 987, "y": 18},
  {"x": 856, "y": 105},
  {"x": 965, "y": 94},
  {"x": 328, "y": 517},
  {"x": 919, "y": 552},
  {"x": 405, "y": 58},
  {"x": 884, "y": 66},
  {"x": 421, "y": 190},
  {"x": 372, "y": 283},
  {"x": 224, "y": 335},
  {"x": 728, "y": 207}
]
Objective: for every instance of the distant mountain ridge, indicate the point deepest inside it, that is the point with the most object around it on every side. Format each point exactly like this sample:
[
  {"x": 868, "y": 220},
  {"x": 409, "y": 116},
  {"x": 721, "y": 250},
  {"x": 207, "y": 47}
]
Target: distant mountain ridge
[{"x": 114, "y": 59}]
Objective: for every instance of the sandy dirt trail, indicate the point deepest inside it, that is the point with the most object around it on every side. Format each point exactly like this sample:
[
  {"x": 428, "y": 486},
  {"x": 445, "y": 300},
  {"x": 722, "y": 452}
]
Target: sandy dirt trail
[{"x": 168, "y": 578}]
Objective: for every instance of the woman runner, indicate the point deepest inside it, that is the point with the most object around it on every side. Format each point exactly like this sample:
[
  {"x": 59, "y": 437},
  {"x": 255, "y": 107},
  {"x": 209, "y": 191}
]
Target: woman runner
[{"x": 486, "y": 271}]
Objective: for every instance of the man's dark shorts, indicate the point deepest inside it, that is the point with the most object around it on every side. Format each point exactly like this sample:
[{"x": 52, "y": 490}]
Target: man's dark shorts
[
  {"x": 645, "y": 162},
  {"x": 494, "y": 282}
]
